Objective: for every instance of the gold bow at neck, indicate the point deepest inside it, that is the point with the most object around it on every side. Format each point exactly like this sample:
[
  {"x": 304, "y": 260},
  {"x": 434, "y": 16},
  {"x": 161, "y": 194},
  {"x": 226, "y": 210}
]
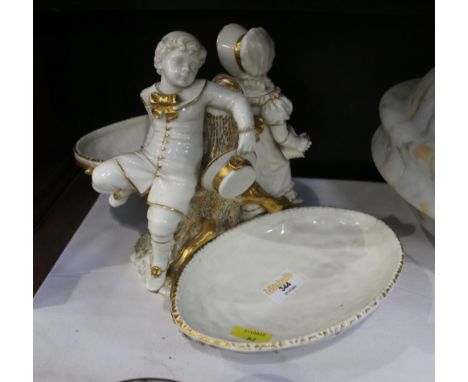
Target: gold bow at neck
[{"x": 164, "y": 104}]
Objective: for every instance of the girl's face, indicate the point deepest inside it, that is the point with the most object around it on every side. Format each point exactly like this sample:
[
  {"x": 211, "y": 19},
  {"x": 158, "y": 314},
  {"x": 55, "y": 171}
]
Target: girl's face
[{"x": 180, "y": 68}]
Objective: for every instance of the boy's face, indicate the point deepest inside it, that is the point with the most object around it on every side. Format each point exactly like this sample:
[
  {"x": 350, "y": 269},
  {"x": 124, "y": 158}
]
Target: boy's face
[{"x": 180, "y": 68}]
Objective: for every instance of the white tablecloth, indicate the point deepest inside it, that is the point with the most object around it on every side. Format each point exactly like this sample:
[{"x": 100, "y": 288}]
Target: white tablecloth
[{"x": 94, "y": 321}]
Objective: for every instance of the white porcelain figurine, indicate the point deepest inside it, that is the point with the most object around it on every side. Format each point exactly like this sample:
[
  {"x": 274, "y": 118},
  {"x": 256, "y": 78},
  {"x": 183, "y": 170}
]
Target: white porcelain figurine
[
  {"x": 248, "y": 55},
  {"x": 403, "y": 147},
  {"x": 167, "y": 167}
]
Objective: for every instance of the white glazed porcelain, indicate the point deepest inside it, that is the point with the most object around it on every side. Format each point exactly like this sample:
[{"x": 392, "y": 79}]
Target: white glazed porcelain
[
  {"x": 343, "y": 263},
  {"x": 110, "y": 141},
  {"x": 403, "y": 147},
  {"x": 233, "y": 183},
  {"x": 166, "y": 168},
  {"x": 226, "y": 43},
  {"x": 248, "y": 56}
]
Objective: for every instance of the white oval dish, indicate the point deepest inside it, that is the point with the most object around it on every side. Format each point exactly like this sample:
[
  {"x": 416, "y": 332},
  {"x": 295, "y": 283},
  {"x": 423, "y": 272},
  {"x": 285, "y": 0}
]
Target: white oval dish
[
  {"x": 342, "y": 263},
  {"x": 110, "y": 141}
]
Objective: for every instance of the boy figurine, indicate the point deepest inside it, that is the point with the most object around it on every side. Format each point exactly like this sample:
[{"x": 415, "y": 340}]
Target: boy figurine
[{"x": 167, "y": 167}]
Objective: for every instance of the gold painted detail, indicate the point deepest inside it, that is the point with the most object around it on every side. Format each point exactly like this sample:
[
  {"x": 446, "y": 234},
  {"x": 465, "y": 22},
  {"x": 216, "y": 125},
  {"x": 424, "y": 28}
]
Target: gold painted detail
[
  {"x": 257, "y": 195},
  {"x": 234, "y": 164},
  {"x": 263, "y": 99},
  {"x": 214, "y": 157},
  {"x": 165, "y": 207},
  {"x": 207, "y": 233},
  {"x": 237, "y": 49},
  {"x": 194, "y": 100},
  {"x": 259, "y": 126},
  {"x": 80, "y": 156},
  {"x": 162, "y": 148},
  {"x": 227, "y": 81},
  {"x": 128, "y": 178},
  {"x": 148, "y": 159},
  {"x": 423, "y": 151},
  {"x": 163, "y": 99},
  {"x": 88, "y": 170},
  {"x": 246, "y": 130},
  {"x": 237, "y": 162},
  {"x": 164, "y": 104},
  {"x": 156, "y": 271},
  {"x": 117, "y": 195}
]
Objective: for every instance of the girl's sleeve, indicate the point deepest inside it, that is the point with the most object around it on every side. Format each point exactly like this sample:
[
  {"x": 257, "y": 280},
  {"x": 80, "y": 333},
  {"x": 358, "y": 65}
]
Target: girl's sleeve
[
  {"x": 277, "y": 110},
  {"x": 276, "y": 113}
]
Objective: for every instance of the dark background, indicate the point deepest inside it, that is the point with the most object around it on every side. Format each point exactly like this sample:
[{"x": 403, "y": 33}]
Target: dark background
[{"x": 334, "y": 60}]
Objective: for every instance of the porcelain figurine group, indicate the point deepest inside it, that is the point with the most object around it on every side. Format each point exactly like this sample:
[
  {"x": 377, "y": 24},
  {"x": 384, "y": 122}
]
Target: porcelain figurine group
[{"x": 167, "y": 168}]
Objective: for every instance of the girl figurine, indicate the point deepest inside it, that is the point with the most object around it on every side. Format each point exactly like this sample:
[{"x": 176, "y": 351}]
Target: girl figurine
[
  {"x": 167, "y": 167},
  {"x": 248, "y": 57}
]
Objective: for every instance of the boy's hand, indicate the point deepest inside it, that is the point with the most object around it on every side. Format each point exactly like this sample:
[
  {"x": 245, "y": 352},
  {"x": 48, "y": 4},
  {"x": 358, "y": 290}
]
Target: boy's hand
[{"x": 246, "y": 142}]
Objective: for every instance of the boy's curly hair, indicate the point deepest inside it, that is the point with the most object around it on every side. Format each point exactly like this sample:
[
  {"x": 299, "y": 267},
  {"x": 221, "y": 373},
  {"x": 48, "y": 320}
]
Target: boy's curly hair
[{"x": 178, "y": 40}]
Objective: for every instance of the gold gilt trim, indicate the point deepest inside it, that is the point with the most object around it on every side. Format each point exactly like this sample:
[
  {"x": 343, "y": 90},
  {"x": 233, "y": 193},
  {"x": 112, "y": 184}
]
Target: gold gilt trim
[
  {"x": 234, "y": 164},
  {"x": 85, "y": 157},
  {"x": 156, "y": 271},
  {"x": 207, "y": 233},
  {"x": 169, "y": 109},
  {"x": 227, "y": 81},
  {"x": 88, "y": 170},
  {"x": 257, "y": 195},
  {"x": 182, "y": 105},
  {"x": 148, "y": 159},
  {"x": 129, "y": 180},
  {"x": 157, "y": 98},
  {"x": 210, "y": 163},
  {"x": 220, "y": 175},
  {"x": 237, "y": 50},
  {"x": 164, "y": 104},
  {"x": 294, "y": 342},
  {"x": 117, "y": 195},
  {"x": 259, "y": 126},
  {"x": 260, "y": 100},
  {"x": 162, "y": 148},
  {"x": 246, "y": 130},
  {"x": 169, "y": 208}
]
